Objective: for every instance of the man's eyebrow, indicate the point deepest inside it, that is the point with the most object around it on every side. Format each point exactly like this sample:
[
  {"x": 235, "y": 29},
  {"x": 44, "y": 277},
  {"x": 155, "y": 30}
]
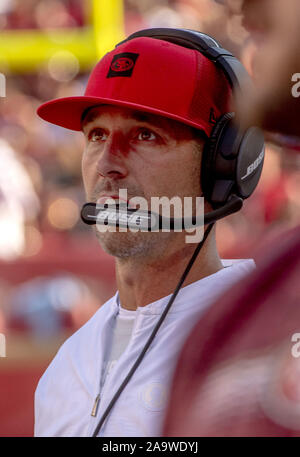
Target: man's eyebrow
[
  {"x": 156, "y": 121},
  {"x": 141, "y": 116},
  {"x": 88, "y": 116}
]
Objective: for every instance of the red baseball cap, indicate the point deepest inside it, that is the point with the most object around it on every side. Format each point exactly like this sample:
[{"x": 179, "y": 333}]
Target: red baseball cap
[{"x": 152, "y": 75}]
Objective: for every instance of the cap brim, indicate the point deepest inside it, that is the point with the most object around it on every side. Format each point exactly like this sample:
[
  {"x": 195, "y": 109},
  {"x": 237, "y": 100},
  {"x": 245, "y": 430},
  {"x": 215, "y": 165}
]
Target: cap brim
[{"x": 67, "y": 112}]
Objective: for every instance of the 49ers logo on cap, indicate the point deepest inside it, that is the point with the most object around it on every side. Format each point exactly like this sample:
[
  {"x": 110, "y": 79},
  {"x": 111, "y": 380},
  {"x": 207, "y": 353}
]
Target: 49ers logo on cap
[{"x": 122, "y": 64}]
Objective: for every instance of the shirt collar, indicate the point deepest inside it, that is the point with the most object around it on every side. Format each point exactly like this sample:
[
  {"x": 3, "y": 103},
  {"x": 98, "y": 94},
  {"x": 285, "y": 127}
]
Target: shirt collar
[{"x": 200, "y": 292}]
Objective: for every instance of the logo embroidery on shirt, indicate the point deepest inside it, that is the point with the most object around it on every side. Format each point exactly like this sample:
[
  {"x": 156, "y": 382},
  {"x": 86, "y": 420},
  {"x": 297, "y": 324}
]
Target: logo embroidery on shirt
[{"x": 154, "y": 395}]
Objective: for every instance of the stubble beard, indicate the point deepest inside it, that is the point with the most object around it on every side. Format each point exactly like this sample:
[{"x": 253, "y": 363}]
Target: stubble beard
[{"x": 125, "y": 245}]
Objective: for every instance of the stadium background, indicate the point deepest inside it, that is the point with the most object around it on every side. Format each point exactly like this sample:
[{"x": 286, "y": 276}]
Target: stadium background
[{"x": 53, "y": 275}]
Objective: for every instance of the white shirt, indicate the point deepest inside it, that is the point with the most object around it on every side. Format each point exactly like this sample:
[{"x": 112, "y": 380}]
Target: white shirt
[
  {"x": 67, "y": 390},
  {"x": 120, "y": 338}
]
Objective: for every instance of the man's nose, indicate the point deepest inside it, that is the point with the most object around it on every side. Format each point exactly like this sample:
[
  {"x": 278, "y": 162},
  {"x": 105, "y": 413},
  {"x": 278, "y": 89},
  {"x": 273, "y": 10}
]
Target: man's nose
[{"x": 112, "y": 161}]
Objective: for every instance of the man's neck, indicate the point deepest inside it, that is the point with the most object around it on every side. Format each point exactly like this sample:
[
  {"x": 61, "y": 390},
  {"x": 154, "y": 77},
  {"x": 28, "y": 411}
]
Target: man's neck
[{"x": 141, "y": 282}]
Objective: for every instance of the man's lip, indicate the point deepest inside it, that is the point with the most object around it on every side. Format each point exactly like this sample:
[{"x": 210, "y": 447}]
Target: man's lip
[{"x": 104, "y": 197}]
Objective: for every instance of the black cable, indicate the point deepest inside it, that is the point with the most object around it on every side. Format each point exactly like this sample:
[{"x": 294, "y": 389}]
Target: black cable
[{"x": 141, "y": 356}]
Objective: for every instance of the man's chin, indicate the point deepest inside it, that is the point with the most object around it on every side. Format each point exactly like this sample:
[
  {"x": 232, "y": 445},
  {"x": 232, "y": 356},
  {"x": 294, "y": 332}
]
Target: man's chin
[{"x": 123, "y": 245}]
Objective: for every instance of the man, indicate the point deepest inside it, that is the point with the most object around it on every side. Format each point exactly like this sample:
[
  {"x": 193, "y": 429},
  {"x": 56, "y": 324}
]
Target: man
[
  {"x": 145, "y": 115},
  {"x": 238, "y": 373}
]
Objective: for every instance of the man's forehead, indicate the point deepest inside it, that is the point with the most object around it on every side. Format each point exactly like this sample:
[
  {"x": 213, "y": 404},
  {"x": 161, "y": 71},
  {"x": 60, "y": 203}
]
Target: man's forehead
[{"x": 98, "y": 112}]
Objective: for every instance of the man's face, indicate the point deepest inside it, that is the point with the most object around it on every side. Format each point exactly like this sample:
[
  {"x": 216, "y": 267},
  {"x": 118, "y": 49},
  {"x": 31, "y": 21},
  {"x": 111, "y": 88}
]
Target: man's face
[{"x": 146, "y": 154}]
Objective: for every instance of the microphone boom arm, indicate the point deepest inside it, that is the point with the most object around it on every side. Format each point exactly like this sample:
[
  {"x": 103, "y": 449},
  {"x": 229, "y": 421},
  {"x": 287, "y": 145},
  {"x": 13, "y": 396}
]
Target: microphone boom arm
[{"x": 122, "y": 216}]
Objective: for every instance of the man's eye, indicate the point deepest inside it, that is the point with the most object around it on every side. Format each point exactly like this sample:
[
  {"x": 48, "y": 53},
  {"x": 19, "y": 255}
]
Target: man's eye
[
  {"x": 146, "y": 135},
  {"x": 97, "y": 135}
]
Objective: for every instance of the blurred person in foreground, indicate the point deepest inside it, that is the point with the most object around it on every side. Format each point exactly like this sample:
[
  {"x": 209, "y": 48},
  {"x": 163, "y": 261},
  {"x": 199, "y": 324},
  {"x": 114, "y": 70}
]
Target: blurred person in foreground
[
  {"x": 274, "y": 31},
  {"x": 238, "y": 373},
  {"x": 145, "y": 128}
]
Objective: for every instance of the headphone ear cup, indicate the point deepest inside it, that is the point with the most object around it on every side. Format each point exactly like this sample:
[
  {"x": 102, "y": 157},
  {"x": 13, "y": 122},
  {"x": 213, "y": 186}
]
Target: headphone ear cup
[
  {"x": 250, "y": 161},
  {"x": 232, "y": 161},
  {"x": 209, "y": 158}
]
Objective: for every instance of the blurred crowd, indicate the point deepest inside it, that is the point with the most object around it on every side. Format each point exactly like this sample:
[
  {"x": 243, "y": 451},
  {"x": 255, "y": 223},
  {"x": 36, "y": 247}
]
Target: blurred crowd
[
  {"x": 41, "y": 190},
  {"x": 37, "y": 14}
]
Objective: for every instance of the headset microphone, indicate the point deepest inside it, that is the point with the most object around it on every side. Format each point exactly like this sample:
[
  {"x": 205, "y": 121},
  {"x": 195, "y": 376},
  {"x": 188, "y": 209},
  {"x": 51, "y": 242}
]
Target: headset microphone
[{"x": 120, "y": 215}]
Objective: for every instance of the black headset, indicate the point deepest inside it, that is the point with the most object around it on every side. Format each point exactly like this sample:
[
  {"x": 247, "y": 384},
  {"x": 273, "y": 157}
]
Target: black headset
[{"x": 233, "y": 157}]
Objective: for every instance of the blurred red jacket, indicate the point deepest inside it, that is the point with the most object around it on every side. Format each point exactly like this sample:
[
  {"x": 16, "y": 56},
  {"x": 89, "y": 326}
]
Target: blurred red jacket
[{"x": 238, "y": 373}]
